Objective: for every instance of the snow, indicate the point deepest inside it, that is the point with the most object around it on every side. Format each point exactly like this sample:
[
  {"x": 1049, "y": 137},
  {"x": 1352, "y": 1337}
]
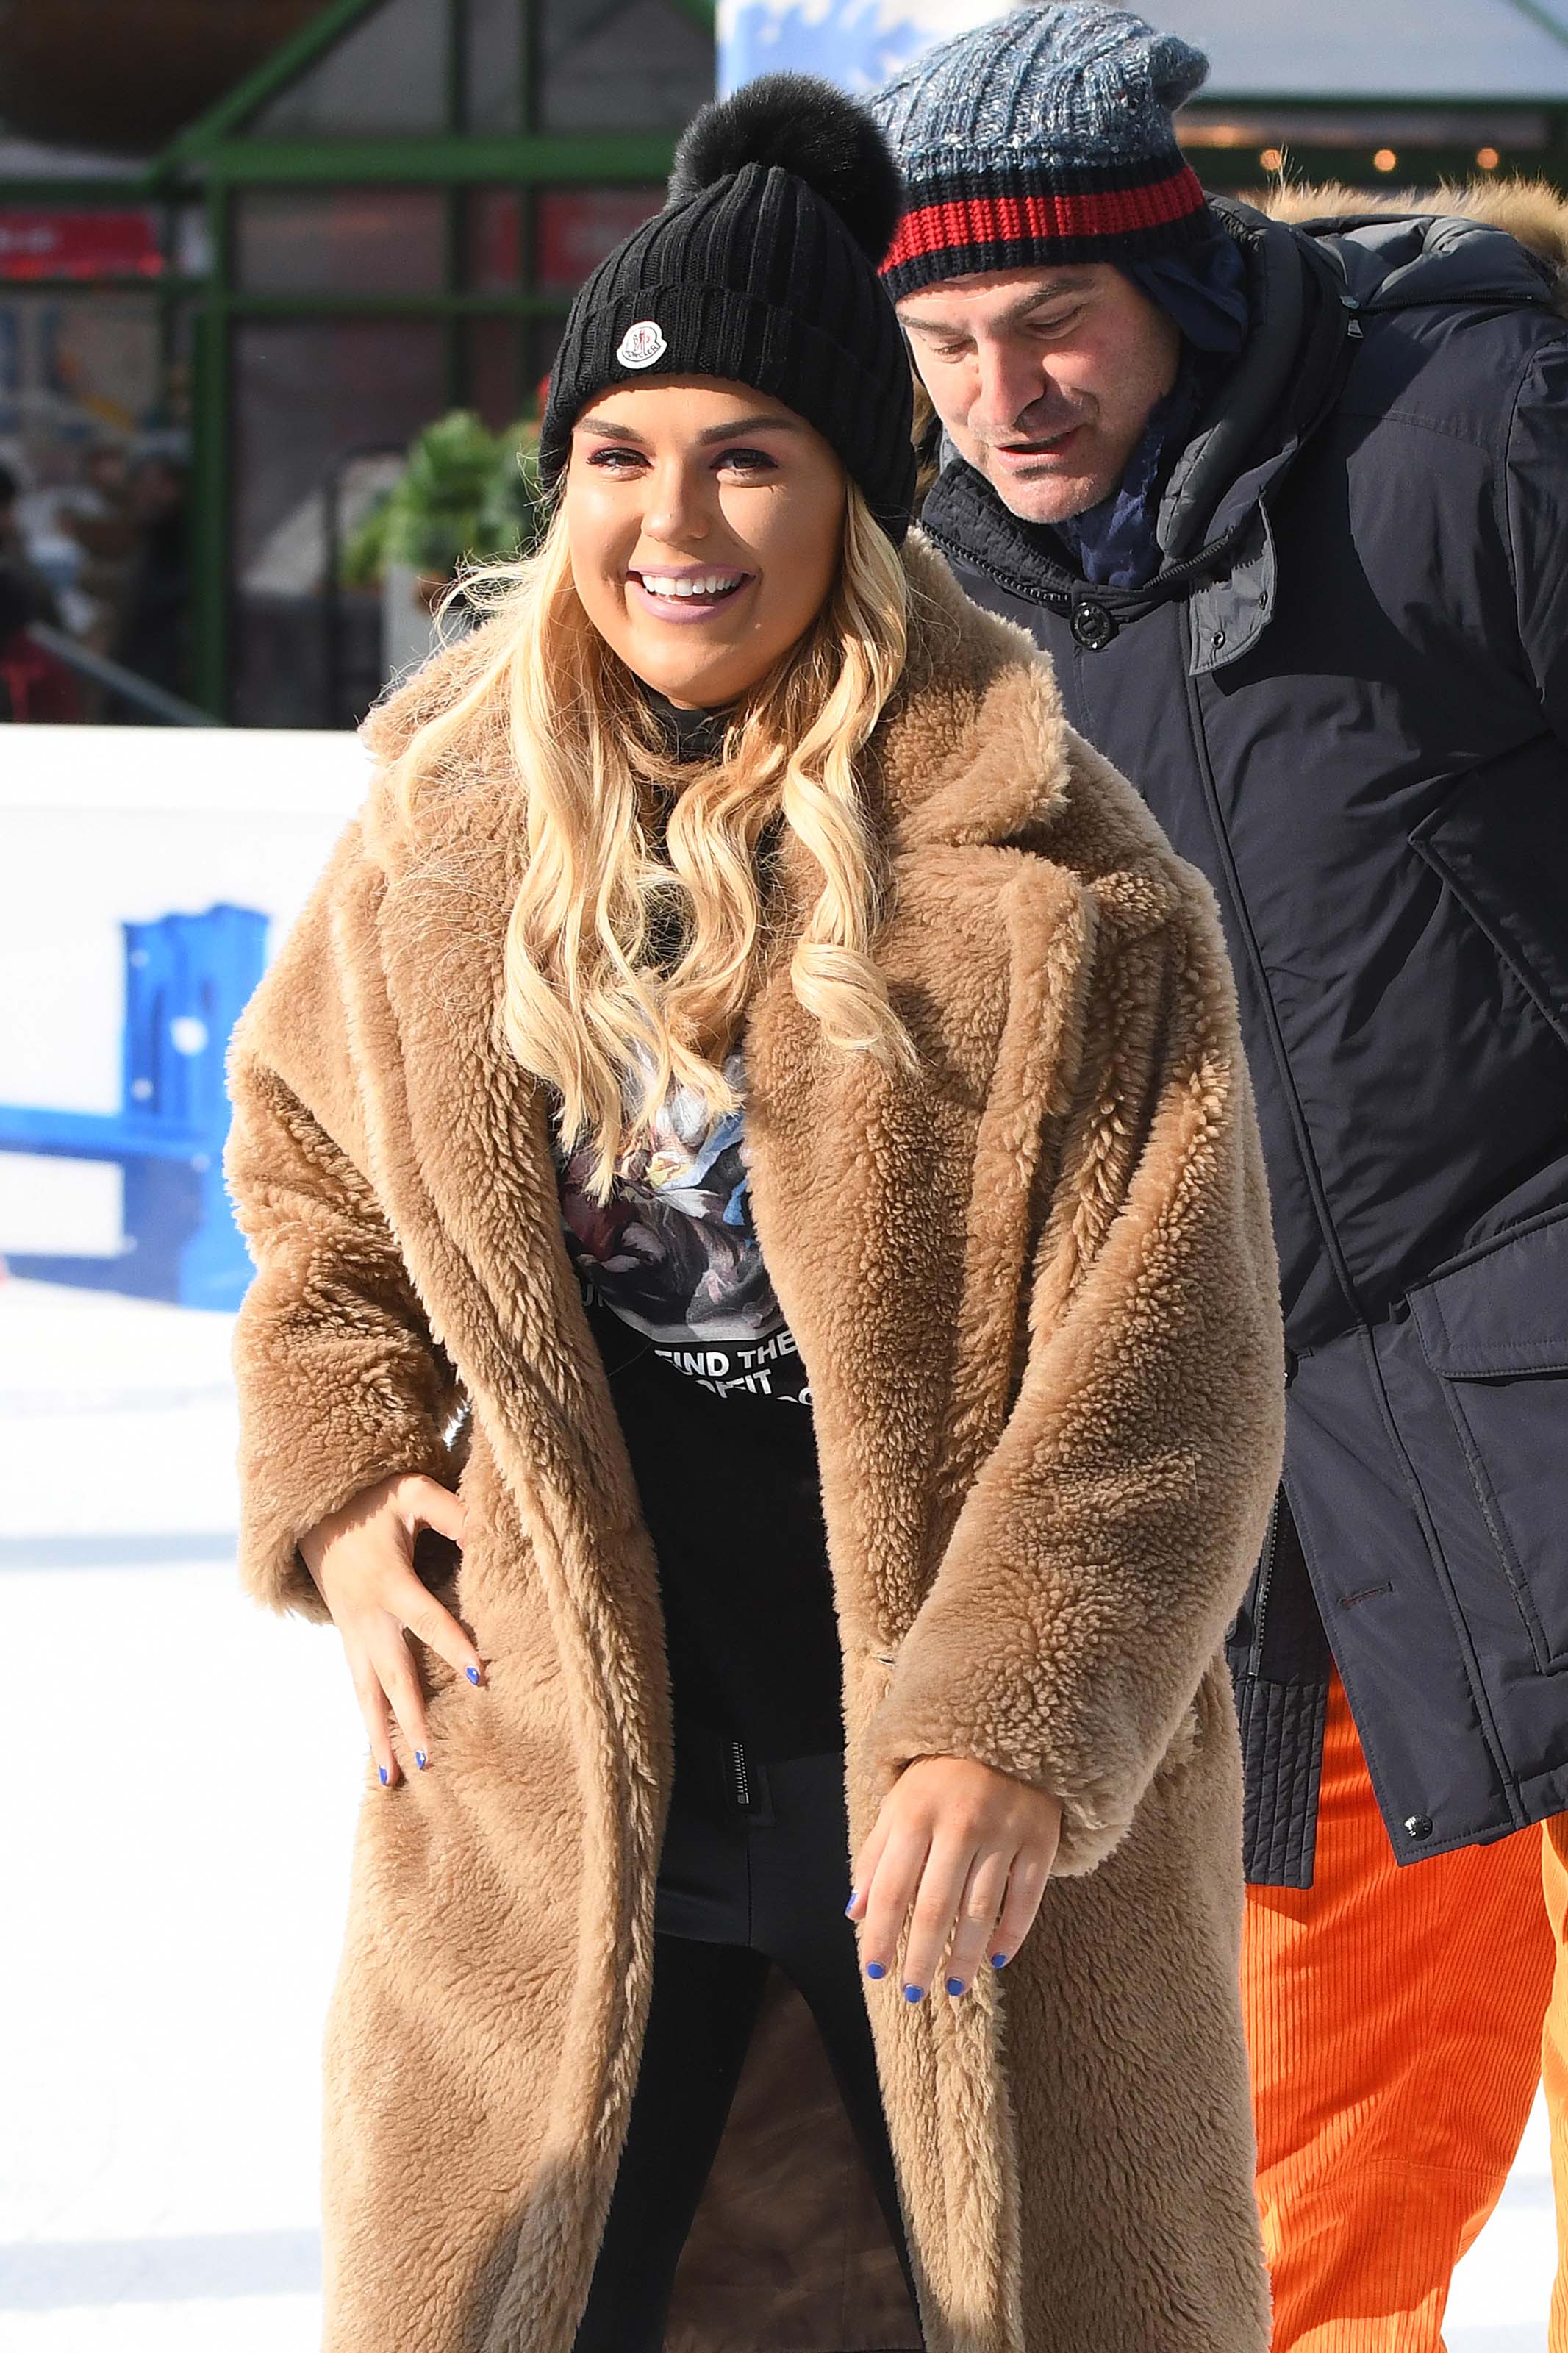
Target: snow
[{"x": 184, "y": 1773}]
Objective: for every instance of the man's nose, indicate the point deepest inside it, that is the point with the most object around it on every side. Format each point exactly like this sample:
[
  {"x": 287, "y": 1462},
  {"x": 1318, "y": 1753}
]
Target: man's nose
[{"x": 1012, "y": 379}]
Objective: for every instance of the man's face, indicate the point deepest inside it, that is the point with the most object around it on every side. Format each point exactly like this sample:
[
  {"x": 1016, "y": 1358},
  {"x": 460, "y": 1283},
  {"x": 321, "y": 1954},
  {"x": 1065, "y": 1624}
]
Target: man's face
[{"x": 1044, "y": 378}]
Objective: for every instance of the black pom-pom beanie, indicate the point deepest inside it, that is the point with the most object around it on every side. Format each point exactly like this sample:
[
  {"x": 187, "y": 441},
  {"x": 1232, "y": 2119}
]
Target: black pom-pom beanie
[{"x": 762, "y": 269}]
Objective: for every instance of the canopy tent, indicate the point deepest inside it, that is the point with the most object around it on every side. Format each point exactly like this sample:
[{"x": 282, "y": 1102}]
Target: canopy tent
[
  {"x": 1467, "y": 49},
  {"x": 1354, "y": 89},
  {"x": 1515, "y": 50}
]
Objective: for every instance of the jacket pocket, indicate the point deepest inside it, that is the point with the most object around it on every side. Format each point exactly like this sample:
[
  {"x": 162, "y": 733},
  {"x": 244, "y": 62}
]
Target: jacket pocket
[
  {"x": 1494, "y": 1330},
  {"x": 1496, "y": 842}
]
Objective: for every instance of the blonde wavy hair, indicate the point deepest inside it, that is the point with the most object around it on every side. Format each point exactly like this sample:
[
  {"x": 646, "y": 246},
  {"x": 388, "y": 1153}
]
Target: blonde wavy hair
[{"x": 635, "y": 938}]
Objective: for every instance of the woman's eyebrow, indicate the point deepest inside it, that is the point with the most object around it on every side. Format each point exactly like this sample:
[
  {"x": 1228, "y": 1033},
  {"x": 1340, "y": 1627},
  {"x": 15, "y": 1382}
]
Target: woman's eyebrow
[
  {"x": 767, "y": 424},
  {"x": 607, "y": 428}
]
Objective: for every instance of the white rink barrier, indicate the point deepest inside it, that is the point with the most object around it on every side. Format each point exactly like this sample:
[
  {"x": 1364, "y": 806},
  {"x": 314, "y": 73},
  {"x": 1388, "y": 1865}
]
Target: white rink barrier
[{"x": 145, "y": 875}]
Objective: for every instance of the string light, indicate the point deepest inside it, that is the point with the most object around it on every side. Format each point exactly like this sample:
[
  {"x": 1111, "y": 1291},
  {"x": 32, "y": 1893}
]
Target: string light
[
  {"x": 1384, "y": 160},
  {"x": 1487, "y": 158},
  {"x": 1272, "y": 158}
]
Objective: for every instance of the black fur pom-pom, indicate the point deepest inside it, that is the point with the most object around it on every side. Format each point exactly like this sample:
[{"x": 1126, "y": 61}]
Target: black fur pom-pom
[{"x": 804, "y": 126}]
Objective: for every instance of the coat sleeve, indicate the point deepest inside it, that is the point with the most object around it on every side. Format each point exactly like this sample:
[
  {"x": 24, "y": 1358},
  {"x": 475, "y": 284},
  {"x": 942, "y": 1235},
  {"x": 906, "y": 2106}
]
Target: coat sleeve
[
  {"x": 1536, "y": 494},
  {"x": 1102, "y": 1551},
  {"x": 340, "y": 1382}
]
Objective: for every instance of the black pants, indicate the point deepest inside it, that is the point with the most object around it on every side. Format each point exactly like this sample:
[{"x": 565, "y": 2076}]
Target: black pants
[{"x": 755, "y": 1871}]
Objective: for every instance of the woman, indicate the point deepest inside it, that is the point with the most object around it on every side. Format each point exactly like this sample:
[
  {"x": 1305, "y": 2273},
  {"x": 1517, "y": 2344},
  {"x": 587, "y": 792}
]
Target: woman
[{"x": 754, "y": 1090}]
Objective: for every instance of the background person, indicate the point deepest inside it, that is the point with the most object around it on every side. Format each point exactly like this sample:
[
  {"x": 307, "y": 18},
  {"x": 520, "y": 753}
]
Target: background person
[
  {"x": 877, "y": 1063},
  {"x": 1288, "y": 508},
  {"x": 16, "y": 555},
  {"x": 35, "y": 685},
  {"x": 153, "y": 635}
]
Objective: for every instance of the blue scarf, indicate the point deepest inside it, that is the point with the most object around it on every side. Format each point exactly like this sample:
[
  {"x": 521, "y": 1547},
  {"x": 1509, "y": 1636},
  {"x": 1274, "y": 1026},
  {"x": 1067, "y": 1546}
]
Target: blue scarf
[{"x": 1203, "y": 290}]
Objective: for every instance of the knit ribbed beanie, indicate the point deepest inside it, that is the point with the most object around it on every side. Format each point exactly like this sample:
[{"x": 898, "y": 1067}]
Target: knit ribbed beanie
[
  {"x": 1043, "y": 137},
  {"x": 761, "y": 270}
]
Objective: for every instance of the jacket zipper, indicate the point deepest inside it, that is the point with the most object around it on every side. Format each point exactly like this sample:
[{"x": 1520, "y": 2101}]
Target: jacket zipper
[
  {"x": 740, "y": 1779},
  {"x": 1265, "y": 1579},
  {"x": 1060, "y": 601}
]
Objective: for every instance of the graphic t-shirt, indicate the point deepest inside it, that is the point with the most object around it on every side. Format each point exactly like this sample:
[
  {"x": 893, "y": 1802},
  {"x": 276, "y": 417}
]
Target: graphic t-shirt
[
  {"x": 674, "y": 1254},
  {"x": 714, "y": 1398}
]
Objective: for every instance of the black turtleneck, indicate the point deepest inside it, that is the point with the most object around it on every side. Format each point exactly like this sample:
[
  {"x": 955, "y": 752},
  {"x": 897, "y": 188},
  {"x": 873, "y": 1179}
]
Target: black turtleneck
[{"x": 690, "y": 734}]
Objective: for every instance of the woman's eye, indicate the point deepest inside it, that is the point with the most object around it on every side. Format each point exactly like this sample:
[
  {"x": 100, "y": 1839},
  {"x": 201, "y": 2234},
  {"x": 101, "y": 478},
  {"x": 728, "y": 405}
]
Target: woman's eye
[
  {"x": 616, "y": 461},
  {"x": 749, "y": 461}
]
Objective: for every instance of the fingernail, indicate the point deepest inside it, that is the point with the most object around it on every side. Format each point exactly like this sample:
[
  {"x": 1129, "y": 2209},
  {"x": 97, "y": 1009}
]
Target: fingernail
[
  {"x": 854, "y": 1899},
  {"x": 914, "y": 1993},
  {"x": 955, "y": 1985},
  {"x": 382, "y": 1770},
  {"x": 420, "y": 1758},
  {"x": 875, "y": 1969},
  {"x": 472, "y": 1673},
  {"x": 998, "y": 1960}
]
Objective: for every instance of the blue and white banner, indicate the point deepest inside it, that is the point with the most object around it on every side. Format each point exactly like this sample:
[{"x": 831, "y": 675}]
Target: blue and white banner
[{"x": 856, "y": 43}]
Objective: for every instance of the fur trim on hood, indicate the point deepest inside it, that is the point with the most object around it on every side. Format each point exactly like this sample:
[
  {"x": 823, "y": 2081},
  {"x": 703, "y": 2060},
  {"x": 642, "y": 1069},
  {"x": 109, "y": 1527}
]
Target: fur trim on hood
[{"x": 1533, "y": 211}]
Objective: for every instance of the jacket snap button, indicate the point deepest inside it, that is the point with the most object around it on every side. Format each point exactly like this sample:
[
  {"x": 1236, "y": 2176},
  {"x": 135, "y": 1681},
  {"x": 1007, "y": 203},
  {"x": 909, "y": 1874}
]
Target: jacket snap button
[
  {"x": 1092, "y": 626},
  {"x": 1218, "y": 639},
  {"x": 1418, "y": 1827}
]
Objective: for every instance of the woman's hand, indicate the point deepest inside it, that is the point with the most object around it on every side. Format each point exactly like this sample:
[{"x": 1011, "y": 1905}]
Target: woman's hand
[
  {"x": 363, "y": 1562},
  {"x": 963, "y": 1855}
]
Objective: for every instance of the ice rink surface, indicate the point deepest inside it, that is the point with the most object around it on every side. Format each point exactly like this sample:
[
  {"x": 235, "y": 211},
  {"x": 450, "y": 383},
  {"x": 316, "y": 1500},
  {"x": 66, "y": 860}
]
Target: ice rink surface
[{"x": 183, "y": 1773}]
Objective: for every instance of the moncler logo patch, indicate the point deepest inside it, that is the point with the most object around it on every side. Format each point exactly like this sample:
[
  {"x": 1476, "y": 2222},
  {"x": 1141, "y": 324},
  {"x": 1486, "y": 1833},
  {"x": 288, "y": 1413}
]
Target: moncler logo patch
[{"x": 642, "y": 344}]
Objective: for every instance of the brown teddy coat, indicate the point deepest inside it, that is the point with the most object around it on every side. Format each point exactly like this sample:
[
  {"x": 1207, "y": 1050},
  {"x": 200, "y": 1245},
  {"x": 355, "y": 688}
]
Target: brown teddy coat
[{"x": 1035, "y": 1288}]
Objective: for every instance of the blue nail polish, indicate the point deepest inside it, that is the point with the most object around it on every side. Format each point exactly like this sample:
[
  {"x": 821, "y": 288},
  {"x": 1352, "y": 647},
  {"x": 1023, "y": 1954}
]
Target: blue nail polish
[
  {"x": 382, "y": 1770},
  {"x": 998, "y": 1960},
  {"x": 472, "y": 1673},
  {"x": 875, "y": 1969},
  {"x": 420, "y": 1758},
  {"x": 955, "y": 1985},
  {"x": 914, "y": 1993},
  {"x": 854, "y": 1899}
]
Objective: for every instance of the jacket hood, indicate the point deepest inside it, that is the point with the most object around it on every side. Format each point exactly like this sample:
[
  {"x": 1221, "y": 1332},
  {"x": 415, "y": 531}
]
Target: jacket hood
[
  {"x": 972, "y": 749},
  {"x": 1445, "y": 244}
]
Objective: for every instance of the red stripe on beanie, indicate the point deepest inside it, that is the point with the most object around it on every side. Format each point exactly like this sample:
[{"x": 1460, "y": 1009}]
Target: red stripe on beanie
[{"x": 1040, "y": 219}]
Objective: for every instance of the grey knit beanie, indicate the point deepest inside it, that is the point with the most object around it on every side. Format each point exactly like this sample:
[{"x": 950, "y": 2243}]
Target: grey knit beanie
[{"x": 1045, "y": 136}]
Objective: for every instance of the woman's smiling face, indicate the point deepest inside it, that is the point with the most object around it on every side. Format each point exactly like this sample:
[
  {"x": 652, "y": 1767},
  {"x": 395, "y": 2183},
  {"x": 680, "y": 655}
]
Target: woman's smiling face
[{"x": 704, "y": 522}]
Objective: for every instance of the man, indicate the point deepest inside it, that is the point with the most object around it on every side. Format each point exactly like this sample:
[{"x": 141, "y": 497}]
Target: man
[{"x": 1288, "y": 506}]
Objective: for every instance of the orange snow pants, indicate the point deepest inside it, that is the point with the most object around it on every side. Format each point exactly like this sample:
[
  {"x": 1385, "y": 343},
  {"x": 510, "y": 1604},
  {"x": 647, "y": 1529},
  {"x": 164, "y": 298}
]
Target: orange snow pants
[{"x": 1398, "y": 2021}]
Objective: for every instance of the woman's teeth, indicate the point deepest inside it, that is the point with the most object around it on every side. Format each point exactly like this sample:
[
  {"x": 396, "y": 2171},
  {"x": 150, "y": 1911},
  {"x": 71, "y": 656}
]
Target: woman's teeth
[{"x": 695, "y": 584}]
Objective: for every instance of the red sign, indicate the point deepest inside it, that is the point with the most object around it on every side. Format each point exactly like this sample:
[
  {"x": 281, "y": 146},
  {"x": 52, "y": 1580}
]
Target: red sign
[
  {"x": 79, "y": 245},
  {"x": 577, "y": 227}
]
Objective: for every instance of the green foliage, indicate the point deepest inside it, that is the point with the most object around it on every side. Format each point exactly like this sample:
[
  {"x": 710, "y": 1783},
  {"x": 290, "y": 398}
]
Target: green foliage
[{"x": 466, "y": 495}]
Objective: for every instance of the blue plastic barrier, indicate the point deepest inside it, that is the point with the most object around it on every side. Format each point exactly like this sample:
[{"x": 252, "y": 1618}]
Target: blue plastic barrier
[{"x": 188, "y": 980}]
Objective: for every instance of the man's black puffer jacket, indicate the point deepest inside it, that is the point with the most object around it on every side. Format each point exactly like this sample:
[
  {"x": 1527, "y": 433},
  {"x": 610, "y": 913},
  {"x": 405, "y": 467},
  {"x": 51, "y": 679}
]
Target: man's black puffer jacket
[{"x": 1345, "y": 698}]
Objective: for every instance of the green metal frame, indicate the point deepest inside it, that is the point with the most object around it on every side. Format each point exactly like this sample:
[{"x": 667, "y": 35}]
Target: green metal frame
[
  {"x": 210, "y": 132},
  {"x": 215, "y": 162},
  {"x": 451, "y": 160},
  {"x": 215, "y": 154},
  {"x": 1542, "y": 18}
]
